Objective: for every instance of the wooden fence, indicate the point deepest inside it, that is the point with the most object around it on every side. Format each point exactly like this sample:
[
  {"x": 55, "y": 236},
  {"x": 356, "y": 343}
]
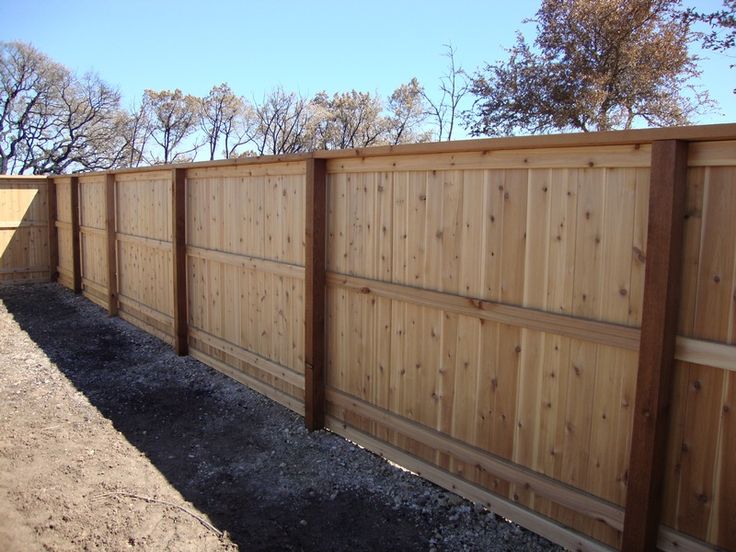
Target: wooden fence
[
  {"x": 545, "y": 325},
  {"x": 24, "y": 229}
]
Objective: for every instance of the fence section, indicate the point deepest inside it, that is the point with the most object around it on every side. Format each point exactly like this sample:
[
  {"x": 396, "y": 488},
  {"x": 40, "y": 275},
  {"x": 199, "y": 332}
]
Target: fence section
[
  {"x": 700, "y": 476},
  {"x": 93, "y": 238},
  {"x": 483, "y": 308},
  {"x": 245, "y": 267},
  {"x": 425, "y": 261},
  {"x": 143, "y": 234},
  {"x": 24, "y": 230}
]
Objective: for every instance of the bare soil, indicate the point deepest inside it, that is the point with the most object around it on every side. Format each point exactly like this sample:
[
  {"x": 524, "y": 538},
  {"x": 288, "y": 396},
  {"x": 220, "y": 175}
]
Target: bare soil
[{"x": 109, "y": 441}]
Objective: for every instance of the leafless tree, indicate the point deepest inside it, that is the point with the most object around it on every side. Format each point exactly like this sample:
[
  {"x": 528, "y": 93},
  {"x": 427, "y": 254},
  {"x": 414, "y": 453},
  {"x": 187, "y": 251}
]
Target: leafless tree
[
  {"x": 347, "y": 120},
  {"x": 445, "y": 110},
  {"x": 225, "y": 120},
  {"x": 135, "y": 128},
  {"x": 174, "y": 117},
  {"x": 407, "y": 112},
  {"x": 51, "y": 120},
  {"x": 282, "y": 124}
]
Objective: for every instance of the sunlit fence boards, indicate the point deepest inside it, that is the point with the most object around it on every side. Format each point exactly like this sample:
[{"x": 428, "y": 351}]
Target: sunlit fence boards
[{"x": 24, "y": 235}]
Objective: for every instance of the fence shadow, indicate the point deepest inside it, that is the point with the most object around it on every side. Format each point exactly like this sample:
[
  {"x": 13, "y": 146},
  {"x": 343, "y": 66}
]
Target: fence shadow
[{"x": 244, "y": 461}]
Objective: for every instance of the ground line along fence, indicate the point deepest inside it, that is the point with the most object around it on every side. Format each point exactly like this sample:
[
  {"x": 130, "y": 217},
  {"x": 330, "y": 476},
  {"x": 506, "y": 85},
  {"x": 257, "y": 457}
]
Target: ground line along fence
[{"x": 500, "y": 316}]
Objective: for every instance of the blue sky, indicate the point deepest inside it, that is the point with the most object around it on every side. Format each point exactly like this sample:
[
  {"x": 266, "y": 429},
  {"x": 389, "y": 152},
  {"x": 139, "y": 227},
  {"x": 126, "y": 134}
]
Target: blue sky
[{"x": 304, "y": 46}]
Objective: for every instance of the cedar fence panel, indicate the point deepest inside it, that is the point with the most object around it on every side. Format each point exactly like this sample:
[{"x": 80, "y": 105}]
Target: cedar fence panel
[
  {"x": 143, "y": 238},
  {"x": 24, "y": 232},
  {"x": 93, "y": 238},
  {"x": 245, "y": 275}
]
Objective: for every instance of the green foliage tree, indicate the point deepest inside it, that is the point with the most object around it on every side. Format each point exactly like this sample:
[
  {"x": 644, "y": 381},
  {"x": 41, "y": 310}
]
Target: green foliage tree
[{"x": 594, "y": 65}]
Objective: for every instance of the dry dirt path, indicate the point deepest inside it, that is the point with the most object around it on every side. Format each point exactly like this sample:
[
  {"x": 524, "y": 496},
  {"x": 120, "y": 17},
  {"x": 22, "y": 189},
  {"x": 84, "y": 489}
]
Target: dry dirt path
[{"x": 108, "y": 441}]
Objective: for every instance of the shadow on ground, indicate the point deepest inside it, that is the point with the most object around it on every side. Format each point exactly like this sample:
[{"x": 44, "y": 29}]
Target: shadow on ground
[{"x": 244, "y": 461}]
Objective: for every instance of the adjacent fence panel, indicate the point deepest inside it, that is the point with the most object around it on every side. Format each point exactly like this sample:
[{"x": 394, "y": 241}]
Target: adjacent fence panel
[
  {"x": 245, "y": 264},
  {"x": 24, "y": 243},
  {"x": 93, "y": 238},
  {"x": 144, "y": 248},
  {"x": 565, "y": 237},
  {"x": 64, "y": 231},
  {"x": 700, "y": 485}
]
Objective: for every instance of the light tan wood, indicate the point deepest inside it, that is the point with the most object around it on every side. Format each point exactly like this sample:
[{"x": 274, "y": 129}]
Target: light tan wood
[
  {"x": 141, "y": 240},
  {"x": 137, "y": 321},
  {"x": 26, "y": 270},
  {"x": 276, "y": 370},
  {"x": 247, "y": 262},
  {"x": 220, "y": 171},
  {"x": 24, "y": 234},
  {"x": 15, "y": 224},
  {"x": 610, "y": 514},
  {"x": 93, "y": 231},
  {"x": 581, "y": 157},
  {"x": 706, "y": 353},
  {"x": 702, "y": 133},
  {"x": 549, "y": 529},
  {"x": 280, "y": 397},
  {"x": 589, "y": 330},
  {"x": 712, "y": 154}
]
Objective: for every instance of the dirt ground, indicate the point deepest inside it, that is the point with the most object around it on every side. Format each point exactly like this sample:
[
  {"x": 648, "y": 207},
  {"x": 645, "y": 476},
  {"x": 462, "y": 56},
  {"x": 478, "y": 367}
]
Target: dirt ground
[{"x": 109, "y": 441}]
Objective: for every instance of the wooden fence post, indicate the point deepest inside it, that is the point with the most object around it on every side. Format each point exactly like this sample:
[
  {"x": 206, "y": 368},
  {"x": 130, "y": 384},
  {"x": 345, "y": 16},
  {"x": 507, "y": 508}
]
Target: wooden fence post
[
  {"x": 179, "y": 257},
  {"x": 53, "y": 237},
  {"x": 314, "y": 294},
  {"x": 112, "y": 260},
  {"x": 656, "y": 352},
  {"x": 76, "y": 236}
]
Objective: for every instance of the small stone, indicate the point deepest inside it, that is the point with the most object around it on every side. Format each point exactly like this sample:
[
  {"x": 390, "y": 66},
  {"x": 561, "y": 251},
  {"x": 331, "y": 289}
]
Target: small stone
[{"x": 303, "y": 523}]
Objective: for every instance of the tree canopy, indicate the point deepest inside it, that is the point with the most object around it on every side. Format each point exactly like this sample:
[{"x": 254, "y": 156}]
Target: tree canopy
[
  {"x": 594, "y": 65},
  {"x": 52, "y": 120}
]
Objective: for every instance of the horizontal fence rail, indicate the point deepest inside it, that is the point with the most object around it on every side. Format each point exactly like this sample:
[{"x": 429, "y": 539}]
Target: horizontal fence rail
[{"x": 499, "y": 316}]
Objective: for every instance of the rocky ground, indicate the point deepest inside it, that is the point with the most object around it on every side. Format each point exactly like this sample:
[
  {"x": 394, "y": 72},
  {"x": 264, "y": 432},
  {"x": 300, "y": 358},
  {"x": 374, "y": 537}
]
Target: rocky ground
[{"x": 109, "y": 441}]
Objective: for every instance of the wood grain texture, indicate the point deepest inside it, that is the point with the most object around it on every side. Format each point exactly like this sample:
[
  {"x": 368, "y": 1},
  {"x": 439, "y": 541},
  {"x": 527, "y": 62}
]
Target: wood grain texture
[
  {"x": 53, "y": 233},
  {"x": 314, "y": 295},
  {"x": 75, "y": 235},
  {"x": 112, "y": 255},
  {"x": 179, "y": 258},
  {"x": 26, "y": 249},
  {"x": 656, "y": 353}
]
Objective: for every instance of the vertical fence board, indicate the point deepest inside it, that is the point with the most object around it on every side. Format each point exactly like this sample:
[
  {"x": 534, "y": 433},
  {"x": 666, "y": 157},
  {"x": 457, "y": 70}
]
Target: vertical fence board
[
  {"x": 53, "y": 234},
  {"x": 179, "y": 257},
  {"x": 314, "y": 294},
  {"x": 76, "y": 253},
  {"x": 656, "y": 351},
  {"x": 112, "y": 268}
]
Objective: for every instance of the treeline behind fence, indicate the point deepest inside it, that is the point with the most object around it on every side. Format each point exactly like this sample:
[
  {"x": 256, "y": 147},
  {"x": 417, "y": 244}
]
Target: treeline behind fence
[{"x": 545, "y": 325}]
